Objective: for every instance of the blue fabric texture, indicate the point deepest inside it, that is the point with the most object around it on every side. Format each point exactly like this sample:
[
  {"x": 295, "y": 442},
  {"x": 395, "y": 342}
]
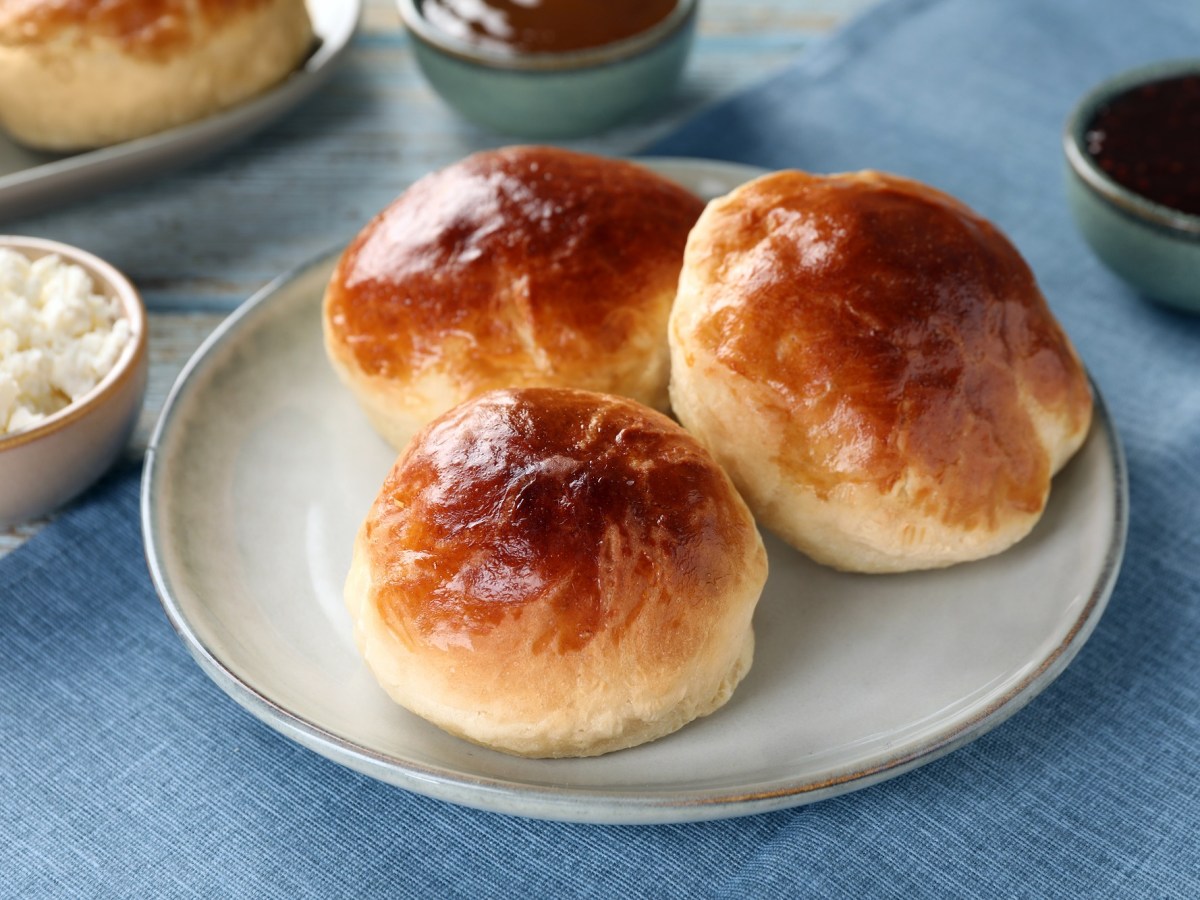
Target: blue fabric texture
[{"x": 125, "y": 772}]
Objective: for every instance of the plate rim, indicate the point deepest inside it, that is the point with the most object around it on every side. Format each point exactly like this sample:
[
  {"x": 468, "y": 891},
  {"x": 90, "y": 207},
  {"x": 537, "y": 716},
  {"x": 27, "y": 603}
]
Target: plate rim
[
  {"x": 32, "y": 190},
  {"x": 596, "y": 804}
]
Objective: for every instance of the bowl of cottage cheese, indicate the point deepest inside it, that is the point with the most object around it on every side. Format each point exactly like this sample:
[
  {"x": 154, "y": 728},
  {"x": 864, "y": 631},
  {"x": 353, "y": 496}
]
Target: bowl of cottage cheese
[{"x": 73, "y": 366}]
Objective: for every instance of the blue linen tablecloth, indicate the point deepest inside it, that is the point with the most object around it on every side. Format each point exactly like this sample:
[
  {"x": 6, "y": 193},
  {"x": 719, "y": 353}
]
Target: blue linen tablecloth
[{"x": 124, "y": 771}]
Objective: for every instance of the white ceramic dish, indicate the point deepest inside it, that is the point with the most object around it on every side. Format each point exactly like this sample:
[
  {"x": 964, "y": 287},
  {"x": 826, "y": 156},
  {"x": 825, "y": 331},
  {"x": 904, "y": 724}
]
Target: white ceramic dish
[
  {"x": 43, "y": 467},
  {"x": 262, "y": 468},
  {"x": 31, "y": 181}
]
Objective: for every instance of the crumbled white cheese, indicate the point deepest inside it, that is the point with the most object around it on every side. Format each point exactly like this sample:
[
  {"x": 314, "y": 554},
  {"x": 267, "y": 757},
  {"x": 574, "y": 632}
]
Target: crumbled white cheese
[{"x": 58, "y": 337}]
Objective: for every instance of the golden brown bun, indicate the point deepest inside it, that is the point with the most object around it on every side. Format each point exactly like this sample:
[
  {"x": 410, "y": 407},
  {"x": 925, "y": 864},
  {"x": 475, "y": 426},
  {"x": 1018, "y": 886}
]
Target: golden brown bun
[
  {"x": 526, "y": 266},
  {"x": 876, "y": 368},
  {"x": 551, "y": 572},
  {"x": 80, "y": 73}
]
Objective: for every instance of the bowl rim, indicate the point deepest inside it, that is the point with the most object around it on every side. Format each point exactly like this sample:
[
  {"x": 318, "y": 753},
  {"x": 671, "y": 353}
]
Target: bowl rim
[
  {"x": 127, "y": 364},
  {"x": 1165, "y": 218},
  {"x": 606, "y": 54}
]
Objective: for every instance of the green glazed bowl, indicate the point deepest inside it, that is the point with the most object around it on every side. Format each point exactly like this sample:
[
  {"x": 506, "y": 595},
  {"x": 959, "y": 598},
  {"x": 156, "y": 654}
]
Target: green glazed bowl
[
  {"x": 554, "y": 95},
  {"x": 1155, "y": 248}
]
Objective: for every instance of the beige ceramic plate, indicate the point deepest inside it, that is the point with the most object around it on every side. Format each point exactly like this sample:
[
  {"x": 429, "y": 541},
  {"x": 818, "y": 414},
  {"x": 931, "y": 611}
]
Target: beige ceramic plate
[
  {"x": 31, "y": 181},
  {"x": 263, "y": 467}
]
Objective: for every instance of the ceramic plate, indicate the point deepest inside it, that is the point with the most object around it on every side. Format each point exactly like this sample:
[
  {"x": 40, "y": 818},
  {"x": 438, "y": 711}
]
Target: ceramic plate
[
  {"x": 262, "y": 468},
  {"x": 31, "y": 181}
]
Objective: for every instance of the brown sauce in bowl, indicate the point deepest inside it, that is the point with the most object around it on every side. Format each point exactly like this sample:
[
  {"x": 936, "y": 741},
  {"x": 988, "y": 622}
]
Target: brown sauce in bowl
[
  {"x": 519, "y": 27},
  {"x": 1148, "y": 140}
]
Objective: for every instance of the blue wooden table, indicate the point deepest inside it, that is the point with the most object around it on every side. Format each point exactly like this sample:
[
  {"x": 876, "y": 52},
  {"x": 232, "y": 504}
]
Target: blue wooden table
[{"x": 199, "y": 241}]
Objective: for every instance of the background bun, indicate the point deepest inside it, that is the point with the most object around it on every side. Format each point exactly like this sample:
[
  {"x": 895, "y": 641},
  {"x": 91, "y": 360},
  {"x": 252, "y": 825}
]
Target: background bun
[
  {"x": 85, "y": 74},
  {"x": 525, "y": 266},
  {"x": 552, "y": 572},
  {"x": 875, "y": 366}
]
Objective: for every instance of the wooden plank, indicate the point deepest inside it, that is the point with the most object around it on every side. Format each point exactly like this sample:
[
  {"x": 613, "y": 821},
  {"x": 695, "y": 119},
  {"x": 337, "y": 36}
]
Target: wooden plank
[
  {"x": 200, "y": 241},
  {"x": 213, "y": 234}
]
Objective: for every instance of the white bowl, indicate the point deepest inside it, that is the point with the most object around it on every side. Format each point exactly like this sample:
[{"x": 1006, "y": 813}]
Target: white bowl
[{"x": 43, "y": 467}]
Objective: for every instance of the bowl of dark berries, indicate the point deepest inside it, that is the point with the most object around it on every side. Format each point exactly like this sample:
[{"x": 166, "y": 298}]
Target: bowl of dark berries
[{"x": 1133, "y": 182}]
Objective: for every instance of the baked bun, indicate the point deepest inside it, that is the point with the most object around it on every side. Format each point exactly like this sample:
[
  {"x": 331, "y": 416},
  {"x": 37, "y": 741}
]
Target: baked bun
[
  {"x": 519, "y": 267},
  {"x": 86, "y": 74},
  {"x": 552, "y": 572},
  {"x": 874, "y": 365}
]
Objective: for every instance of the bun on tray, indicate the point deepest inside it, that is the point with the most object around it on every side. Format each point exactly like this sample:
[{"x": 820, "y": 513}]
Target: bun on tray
[
  {"x": 552, "y": 572},
  {"x": 524, "y": 266},
  {"x": 876, "y": 368},
  {"x": 75, "y": 75}
]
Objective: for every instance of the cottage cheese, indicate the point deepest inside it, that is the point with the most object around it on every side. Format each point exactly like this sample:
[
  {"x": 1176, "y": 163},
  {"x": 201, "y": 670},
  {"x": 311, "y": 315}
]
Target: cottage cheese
[{"x": 58, "y": 337}]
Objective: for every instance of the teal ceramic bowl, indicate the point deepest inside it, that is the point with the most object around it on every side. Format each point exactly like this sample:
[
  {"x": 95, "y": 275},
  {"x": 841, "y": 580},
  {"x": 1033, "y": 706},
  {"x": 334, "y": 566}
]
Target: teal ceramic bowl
[
  {"x": 554, "y": 95},
  {"x": 1155, "y": 248}
]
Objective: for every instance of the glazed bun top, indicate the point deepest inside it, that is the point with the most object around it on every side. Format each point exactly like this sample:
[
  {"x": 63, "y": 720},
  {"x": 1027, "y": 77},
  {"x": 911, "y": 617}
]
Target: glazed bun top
[
  {"x": 524, "y": 265},
  {"x": 553, "y": 572},
  {"x": 557, "y": 516},
  {"x": 139, "y": 27},
  {"x": 897, "y": 333}
]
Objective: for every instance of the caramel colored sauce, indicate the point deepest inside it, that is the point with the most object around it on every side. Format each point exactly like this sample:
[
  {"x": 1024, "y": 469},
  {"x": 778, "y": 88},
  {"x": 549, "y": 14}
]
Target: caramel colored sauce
[
  {"x": 892, "y": 325},
  {"x": 544, "y": 26},
  {"x": 507, "y": 249},
  {"x": 1148, "y": 140},
  {"x": 144, "y": 27},
  {"x": 570, "y": 507}
]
